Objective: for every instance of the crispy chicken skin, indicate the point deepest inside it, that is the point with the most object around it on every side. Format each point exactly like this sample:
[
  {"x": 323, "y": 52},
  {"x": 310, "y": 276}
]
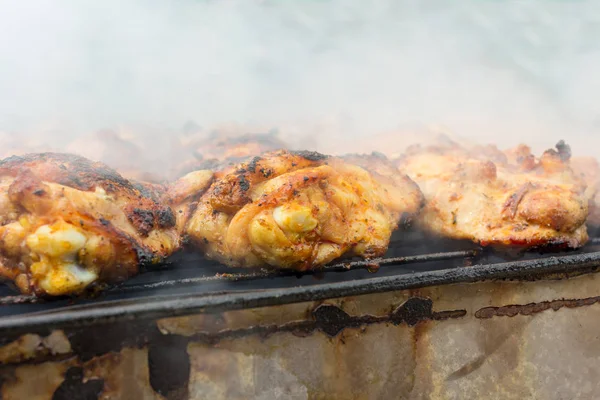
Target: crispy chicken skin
[
  {"x": 183, "y": 195},
  {"x": 67, "y": 222},
  {"x": 301, "y": 210},
  {"x": 589, "y": 170},
  {"x": 499, "y": 198}
]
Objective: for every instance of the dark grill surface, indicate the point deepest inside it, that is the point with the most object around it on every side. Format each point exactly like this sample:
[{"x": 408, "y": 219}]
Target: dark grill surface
[{"x": 189, "y": 283}]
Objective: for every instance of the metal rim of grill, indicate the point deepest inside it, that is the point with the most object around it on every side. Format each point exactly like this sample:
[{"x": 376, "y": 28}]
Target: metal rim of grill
[{"x": 147, "y": 305}]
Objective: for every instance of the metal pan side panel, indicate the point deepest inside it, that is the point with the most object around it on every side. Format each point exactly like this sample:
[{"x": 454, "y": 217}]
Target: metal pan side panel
[
  {"x": 496, "y": 340},
  {"x": 158, "y": 307}
]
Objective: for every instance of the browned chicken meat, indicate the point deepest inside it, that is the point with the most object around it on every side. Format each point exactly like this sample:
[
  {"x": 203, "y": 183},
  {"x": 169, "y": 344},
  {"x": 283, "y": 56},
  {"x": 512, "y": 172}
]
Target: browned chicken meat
[
  {"x": 499, "y": 198},
  {"x": 67, "y": 223},
  {"x": 589, "y": 169},
  {"x": 299, "y": 210}
]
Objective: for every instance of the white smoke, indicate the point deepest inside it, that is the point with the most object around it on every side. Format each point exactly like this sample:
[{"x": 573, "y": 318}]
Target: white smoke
[{"x": 340, "y": 70}]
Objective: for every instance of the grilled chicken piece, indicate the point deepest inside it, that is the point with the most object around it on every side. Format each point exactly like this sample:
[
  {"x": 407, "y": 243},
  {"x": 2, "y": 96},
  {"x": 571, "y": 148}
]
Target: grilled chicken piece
[
  {"x": 589, "y": 170},
  {"x": 500, "y": 198},
  {"x": 221, "y": 149},
  {"x": 67, "y": 222},
  {"x": 301, "y": 210},
  {"x": 238, "y": 148},
  {"x": 184, "y": 193}
]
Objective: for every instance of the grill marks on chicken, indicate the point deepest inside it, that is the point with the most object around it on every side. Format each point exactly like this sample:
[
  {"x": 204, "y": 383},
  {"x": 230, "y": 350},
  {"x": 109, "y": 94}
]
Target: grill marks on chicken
[
  {"x": 67, "y": 222},
  {"x": 301, "y": 210},
  {"x": 500, "y": 198}
]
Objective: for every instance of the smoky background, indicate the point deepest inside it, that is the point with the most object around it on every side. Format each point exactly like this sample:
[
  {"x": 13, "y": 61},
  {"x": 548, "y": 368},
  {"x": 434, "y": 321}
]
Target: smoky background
[{"x": 330, "y": 75}]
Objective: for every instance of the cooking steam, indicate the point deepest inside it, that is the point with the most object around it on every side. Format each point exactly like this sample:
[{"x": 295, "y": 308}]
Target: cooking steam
[{"x": 349, "y": 75}]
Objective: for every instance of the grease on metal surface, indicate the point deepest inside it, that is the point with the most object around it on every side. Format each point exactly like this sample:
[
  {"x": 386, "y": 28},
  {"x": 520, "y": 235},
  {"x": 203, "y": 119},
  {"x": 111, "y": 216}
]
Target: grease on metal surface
[
  {"x": 169, "y": 366},
  {"x": 533, "y": 308},
  {"x": 76, "y": 387}
]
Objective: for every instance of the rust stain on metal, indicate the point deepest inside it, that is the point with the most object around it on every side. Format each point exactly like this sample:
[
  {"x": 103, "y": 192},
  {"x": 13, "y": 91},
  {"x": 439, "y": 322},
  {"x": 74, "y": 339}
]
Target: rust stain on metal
[
  {"x": 533, "y": 308},
  {"x": 331, "y": 320},
  {"x": 299, "y": 328},
  {"x": 453, "y": 314}
]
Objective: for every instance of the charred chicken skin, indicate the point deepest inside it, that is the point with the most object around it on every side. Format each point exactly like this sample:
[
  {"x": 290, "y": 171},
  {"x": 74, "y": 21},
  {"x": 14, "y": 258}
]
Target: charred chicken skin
[
  {"x": 301, "y": 210},
  {"x": 67, "y": 223},
  {"x": 500, "y": 198}
]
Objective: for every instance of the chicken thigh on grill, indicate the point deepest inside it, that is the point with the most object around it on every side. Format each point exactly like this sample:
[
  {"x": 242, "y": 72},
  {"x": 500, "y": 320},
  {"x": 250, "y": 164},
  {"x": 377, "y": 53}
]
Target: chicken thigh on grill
[
  {"x": 301, "y": 210},
  {"x": 589, "y": 170},
  {"x": 221, "y": 149},
  {"x": 67, "y": 222},
  {"x": 500, "y": 198}
]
